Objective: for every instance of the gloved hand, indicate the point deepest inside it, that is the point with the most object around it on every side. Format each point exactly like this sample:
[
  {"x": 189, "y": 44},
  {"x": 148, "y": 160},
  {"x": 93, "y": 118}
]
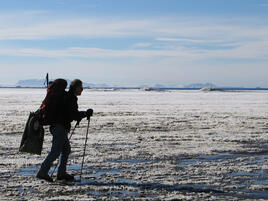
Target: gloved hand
[
  {"x": 89, "y": 113},
  {"x": 78, "y": 120}
]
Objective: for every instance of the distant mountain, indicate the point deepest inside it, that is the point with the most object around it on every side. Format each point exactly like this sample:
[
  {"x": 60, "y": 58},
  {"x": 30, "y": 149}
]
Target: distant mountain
[
  {"x": 31, "y": 83},
  {"x": 159, "y": 86},
  {"x": 192, "y": 86},
  {"x": 200, "y": 85},
  {"x": 42, "y": 83},
  {"x": 36, "y": 83}
]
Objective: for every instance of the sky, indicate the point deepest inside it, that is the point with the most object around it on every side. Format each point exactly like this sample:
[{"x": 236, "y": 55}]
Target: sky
[{"x": 136, "y": 42}]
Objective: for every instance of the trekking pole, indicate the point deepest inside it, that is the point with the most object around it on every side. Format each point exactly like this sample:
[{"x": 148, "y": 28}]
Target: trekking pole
[
  {"x": 84, "y": 148},
  {"x": 77, "y": 123}
]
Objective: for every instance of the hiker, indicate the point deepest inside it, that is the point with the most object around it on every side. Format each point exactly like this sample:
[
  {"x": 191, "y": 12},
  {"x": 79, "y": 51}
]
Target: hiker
[{"x": 66, "y": 112}]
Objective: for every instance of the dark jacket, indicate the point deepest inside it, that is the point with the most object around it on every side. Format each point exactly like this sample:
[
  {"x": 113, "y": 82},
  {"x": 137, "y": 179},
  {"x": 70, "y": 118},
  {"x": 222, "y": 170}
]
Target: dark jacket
[{"x": 68, "y": 111}]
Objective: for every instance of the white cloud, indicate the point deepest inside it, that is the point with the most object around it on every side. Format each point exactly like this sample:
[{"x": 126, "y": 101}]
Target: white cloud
[
  {"x": 169, "y": 60},
  {"x": 88, "y": 28},
  {"x": 181, "y": 40},
  {"x": 248, "y": 41},
  {"x": 93, "y": 53},
  {"x": 245, "y": 50},
  {"x": 34, "y": 26},
  {"x": 189, "y": 40},
  {"x": 137, "y": 45}
]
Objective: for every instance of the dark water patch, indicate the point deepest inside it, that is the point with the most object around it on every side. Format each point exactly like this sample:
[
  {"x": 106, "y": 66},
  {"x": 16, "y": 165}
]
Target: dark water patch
[
  {"x": 123, "y": 182},
  {"x": 249, "y": 194},
  {"x": 181, "y": 188},
  {"x": 185, "y": 161},
  {"x": 243, "y": 179},
  {"x": 99, "y": 173},
  {"x": 222, "y": 156},
  {"x": 128, "y": 181},
  {"x": 91, "y": 180},
  {"x": 155, "y": 186},
  {"x": 114, "y": 193},
  {"x": 132, "y": 161},
  {"x": 95, "y": 193},
  {"x": 258, "y": 177},
  {"x": 95, "y": 174},
  {"x": 97, "y": 179},
  {"x": 11, "y": 133},
  {"x": 119, "y": 144},
  {"x": 31, "y": 171},
  {"x": 241, "y": 174},
  {"x": 112, "y": 178},
  {"x": 74, "y": 167},
  {"x": 253, "y": 153},
  {"x": 24, "y": 191}
]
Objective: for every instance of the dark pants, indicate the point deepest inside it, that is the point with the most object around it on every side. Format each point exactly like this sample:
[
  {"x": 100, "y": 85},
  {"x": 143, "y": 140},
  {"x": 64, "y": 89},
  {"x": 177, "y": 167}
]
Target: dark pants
[{"x": 60, "y": 147}]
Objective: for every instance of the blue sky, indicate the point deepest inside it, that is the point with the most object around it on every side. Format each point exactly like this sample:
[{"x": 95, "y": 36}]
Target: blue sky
[{"x": 135, "y": 42}]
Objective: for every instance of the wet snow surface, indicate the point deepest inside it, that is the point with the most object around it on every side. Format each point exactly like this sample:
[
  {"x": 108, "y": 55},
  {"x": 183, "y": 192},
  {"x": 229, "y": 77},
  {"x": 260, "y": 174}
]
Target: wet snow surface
[{"x": 146, "y": 145}]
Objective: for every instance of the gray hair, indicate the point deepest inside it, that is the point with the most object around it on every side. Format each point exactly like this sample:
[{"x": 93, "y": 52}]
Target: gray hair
[{"x": 74, "y": 84}]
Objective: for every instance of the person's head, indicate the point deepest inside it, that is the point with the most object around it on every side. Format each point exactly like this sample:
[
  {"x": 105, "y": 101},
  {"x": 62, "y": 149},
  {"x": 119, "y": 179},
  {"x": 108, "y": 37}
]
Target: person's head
[{"x": 76, "y": 87}]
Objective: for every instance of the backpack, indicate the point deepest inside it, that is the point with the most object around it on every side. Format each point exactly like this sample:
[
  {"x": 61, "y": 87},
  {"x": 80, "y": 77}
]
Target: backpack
[
  {"x": 33, "y": 135},
  {"x": 55, "y": 94}
]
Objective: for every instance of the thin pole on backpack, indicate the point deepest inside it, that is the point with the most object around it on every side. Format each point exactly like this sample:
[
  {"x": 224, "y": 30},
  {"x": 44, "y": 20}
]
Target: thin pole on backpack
[
  {"x": 46, "y": 80},
  {"x": 84, "y": 148},
  {"x": 77, "y": 123}
]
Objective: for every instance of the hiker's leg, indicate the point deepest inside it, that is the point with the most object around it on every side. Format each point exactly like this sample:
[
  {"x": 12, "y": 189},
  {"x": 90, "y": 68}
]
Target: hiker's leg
[
  {"x": 66, "y": 150},
  {"x": 58, "y": 133}
]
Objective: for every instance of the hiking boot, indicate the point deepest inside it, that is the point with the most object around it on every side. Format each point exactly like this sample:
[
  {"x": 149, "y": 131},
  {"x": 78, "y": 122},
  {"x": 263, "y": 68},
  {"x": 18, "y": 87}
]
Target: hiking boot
[
  {"x": 66, "y": 177},
  {"x": 41, "y": 175}
]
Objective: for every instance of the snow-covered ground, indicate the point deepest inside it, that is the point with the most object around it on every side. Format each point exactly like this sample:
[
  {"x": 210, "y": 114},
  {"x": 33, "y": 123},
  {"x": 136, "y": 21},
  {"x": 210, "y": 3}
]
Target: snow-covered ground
[{"x": 146, "y": 145}]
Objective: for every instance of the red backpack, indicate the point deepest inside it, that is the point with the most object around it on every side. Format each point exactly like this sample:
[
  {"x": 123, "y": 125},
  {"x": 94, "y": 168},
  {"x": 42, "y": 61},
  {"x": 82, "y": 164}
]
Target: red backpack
[{"x": 55, "y": 94}]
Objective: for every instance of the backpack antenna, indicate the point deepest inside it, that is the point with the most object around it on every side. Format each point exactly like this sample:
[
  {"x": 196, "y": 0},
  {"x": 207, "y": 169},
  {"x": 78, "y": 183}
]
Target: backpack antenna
[{"x": 46, "y": 81}]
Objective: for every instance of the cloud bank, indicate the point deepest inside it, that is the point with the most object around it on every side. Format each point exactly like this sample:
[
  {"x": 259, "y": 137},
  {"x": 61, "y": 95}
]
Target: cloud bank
[{"x": 176, "y": 47}]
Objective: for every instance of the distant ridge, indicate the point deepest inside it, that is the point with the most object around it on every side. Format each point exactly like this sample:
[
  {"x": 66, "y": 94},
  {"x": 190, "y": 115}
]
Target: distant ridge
[
  {"x": 40, "y": 83},
  {"x": 31, "y": 83},
  {"x": 200, "y": 85},
  {"x": 35, "y": 83}
]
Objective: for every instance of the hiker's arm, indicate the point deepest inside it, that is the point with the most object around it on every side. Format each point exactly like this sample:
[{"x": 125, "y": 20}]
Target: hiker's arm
[
  {"x": 78, "y": 115},
  {"x": 74, "y": 113},
  {"x": 83, "y": 114}
]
